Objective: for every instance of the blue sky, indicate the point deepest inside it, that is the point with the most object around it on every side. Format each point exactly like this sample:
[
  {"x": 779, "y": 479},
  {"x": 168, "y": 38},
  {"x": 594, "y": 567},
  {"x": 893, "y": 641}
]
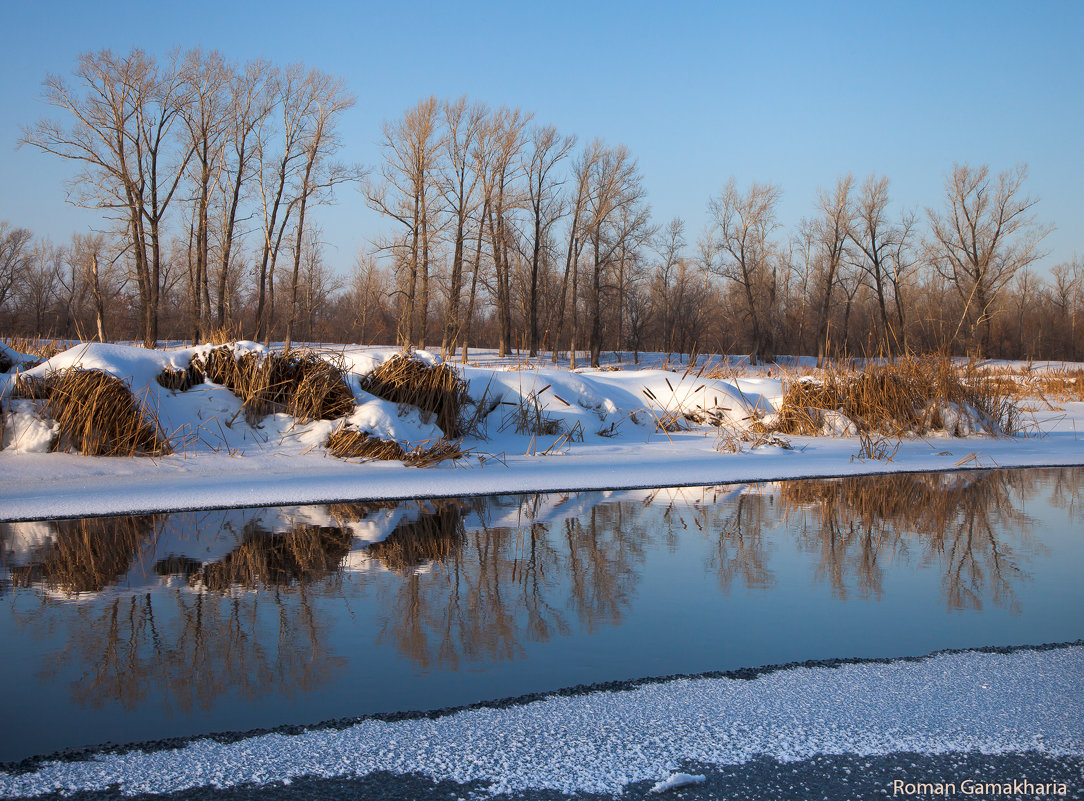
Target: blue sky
[{"x": 792, "y": 93}]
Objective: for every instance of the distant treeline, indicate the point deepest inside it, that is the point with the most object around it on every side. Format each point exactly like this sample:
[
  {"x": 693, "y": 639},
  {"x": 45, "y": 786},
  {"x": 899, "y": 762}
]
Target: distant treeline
[{"x": 501, "y": 232}]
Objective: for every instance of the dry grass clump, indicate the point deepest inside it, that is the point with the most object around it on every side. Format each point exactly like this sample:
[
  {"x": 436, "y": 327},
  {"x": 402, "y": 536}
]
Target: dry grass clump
[
  {"x": 1057, "y": 386},
  {"x": 37, "y": 347},
  {"x": 304, "y": 553},
  {"x": 301, "y": 383},
  {"x": 434, "y": 388},
  {"x": 529, "y": 416},
  {"x": 88, "y": 554},
  {"x": 909, "y": 395},
  {"x": 180, "y": 380},
  {"x": 434, "y": 537},
  {"x": 96, "y": 413},
  {"x": 348, "y": 442}
]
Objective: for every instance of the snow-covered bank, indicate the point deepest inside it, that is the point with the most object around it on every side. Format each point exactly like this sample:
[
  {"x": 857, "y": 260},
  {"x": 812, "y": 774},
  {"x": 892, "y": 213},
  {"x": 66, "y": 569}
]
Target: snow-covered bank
[
  {"x": 990, "y": 703},
  {"x": 593, "y": 430}
]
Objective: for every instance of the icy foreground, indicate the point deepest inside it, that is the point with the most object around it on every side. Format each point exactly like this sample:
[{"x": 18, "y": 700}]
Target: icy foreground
[
  {"x": 602, "y": 432},
  {"x": 987, "y": 703}
]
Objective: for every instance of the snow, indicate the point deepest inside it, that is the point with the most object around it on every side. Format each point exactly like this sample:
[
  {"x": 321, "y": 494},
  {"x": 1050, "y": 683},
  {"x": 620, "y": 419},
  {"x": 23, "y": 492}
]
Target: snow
[
  {"x": 676, "y": 780},
  {"x": 601, "y": 742},
  {"x": 600, "y": 430}
]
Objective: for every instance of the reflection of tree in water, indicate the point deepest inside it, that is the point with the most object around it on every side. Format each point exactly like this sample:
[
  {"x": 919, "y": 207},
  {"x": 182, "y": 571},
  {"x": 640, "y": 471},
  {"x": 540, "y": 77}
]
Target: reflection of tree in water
[
  {"x": 468, "y": 603},
  {"x": 955, "y": 520},
  {"x": 216, "y": 639},
  {"x": 740, "y": 551},
  {"x": 248, "y": 623},
  {"x": 602, "y": 558},
  {"x": 483, "y": 591}
]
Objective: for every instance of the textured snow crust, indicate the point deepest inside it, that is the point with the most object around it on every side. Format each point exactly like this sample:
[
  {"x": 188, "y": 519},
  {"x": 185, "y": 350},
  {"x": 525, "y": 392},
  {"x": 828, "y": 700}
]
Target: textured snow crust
[{"x": 602, "y": 741}]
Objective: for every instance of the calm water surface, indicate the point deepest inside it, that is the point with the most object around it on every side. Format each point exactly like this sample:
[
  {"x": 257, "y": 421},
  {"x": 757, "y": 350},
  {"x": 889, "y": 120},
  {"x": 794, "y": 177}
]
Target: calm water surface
[{"x": 144, "y": 627}]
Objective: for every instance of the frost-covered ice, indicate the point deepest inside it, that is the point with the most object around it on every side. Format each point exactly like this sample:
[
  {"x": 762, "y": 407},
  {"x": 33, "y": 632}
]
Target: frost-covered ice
[
  {"x": 600, "y": 742},
  {"x": 608, "y": 439}
]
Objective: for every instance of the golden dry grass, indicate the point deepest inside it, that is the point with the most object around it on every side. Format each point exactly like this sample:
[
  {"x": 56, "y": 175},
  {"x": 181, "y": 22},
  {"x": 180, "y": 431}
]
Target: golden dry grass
[
  {"x": 38, "y": 347},
  {"x": 908, "y": 395},
  {"x": 301, "y": 383},
  {"x": 348, "y": 442},
  {"x": 434, "y": 388},
  {"x": 96, "y": 413}
]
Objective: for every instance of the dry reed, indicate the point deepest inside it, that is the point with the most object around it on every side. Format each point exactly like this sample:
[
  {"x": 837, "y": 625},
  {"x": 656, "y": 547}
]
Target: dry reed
[
  {"x": 96, "y": 413},
  {"x": 301, "y": 383},
  {"x": 434, "y": 388},
  {"x": 908, "y": 395},
  {"x": 348, "y": 442},
  {"x": 38, "y": 347}
]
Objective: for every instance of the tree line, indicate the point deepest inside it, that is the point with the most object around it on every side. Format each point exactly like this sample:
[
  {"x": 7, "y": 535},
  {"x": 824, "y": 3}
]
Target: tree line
[{"x": 499, "y": 231}]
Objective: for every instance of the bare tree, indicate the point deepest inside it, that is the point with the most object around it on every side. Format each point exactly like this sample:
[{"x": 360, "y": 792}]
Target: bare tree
[
  {"x": 502, "y": 197},
  {"x": 582, "y": 170},
  {"x": 547, "y": 150},
  {"x": 743, "y": 224},
  {"x": 276, "y": 172},
  {"x": 406, "y": 196},
  {"x": 617, "y": 219},
  {"x": 669, "y": 278},
  {"x": 14, "y": 253},
  {"x": 982, "y": 238},
  {"x": 324, "y": 99},
  {"x": 884, "y": 258},
  {"x": 459, "y": 181},
  {"x": 250, "y": 104},
  {"x": 207, "y": 120},
  {"x": 122, "y": 113},
  {"x": 829, "y": 234}
]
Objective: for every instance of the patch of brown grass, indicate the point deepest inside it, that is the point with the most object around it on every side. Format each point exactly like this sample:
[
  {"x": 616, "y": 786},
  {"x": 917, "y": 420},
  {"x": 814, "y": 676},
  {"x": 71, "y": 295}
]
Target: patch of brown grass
[
  {"x": 907, "y": 395},
  {"x": 348, "y": 442},
  {"x": 38, "y": 347},
  {"x": 301, "y": 383},
  {"x": 180, "y": 380},
  {"x": 97, "y": 414},
  {"x": 434, "y": 388}
]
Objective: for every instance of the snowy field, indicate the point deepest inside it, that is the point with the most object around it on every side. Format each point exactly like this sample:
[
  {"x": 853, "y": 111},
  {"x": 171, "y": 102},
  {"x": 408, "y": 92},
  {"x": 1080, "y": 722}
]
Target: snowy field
[{"x": 604, "y": 432}]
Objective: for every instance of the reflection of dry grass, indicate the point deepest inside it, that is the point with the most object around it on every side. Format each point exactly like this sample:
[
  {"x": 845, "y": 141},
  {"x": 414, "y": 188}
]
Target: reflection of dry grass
[
  {"x": 897, "y": 397},
  {"x": 303, "y": 553},
  {"x": 88, "y": 554},
  {"x": 96, "y": 413},
  {"x": 433, "y": 388},
  {"x": 433, "y": 537},
  {"x": 301, "y": 383}
]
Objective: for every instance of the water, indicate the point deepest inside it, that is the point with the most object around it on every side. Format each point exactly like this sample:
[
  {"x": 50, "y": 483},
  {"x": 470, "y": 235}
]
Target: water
[{"x": 134, "y": 628}]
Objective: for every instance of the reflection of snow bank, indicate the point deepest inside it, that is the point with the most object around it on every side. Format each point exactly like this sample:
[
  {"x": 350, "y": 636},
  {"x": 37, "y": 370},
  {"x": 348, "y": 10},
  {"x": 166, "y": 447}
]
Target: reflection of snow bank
[{"x": 601, "y": 742}]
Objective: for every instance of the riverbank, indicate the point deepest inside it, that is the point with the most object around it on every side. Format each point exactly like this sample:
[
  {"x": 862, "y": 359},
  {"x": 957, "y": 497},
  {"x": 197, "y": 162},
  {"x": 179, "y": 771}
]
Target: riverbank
[{"x": 533, "y": 428}]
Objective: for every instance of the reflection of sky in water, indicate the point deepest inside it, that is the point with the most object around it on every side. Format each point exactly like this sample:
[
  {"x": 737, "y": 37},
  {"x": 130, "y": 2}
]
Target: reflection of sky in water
[{"x": 463, "y": 601}]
